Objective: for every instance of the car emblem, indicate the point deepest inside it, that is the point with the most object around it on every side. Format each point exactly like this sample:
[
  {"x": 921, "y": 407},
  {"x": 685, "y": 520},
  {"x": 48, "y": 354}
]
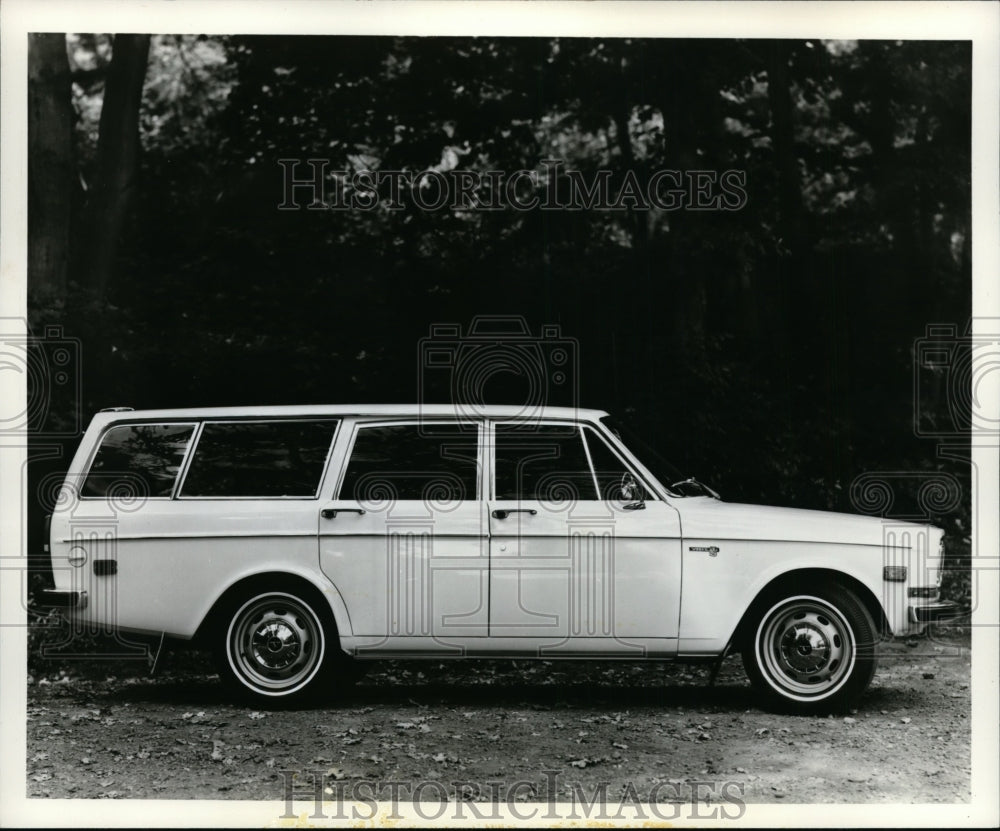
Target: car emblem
[{"x": 711, "y": 549}]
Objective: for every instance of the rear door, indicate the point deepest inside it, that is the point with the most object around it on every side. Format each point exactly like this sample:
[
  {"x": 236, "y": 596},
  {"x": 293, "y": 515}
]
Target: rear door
[
  {"x": 583, "y": 556},
  {"x": 404, "y": 538}
]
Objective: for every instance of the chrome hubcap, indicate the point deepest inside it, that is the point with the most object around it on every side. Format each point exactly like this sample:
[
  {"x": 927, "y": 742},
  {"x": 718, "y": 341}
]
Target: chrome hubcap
[
  {"x": 807, "y": 648},
  {"x": 275, "y": 643}
]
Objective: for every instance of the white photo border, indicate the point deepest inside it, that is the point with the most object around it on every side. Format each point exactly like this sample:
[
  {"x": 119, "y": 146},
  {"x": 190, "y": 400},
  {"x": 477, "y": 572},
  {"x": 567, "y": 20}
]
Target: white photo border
[{"x": 971, "y": 21}]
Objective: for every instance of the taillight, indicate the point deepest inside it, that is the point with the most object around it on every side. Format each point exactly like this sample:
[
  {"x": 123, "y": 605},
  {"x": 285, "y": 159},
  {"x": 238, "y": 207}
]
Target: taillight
[{"x": 47, "y": 533}]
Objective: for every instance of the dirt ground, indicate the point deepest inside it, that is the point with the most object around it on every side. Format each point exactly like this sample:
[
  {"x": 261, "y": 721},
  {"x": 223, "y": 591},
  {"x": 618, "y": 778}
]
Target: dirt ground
[{"x": 657, "y": 729}]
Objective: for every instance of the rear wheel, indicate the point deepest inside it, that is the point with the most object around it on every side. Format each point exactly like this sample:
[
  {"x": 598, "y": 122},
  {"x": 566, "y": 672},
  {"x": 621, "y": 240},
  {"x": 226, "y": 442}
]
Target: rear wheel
[
  {"x": 278, "y": 646},
  {"x": 812, "y": 651}
]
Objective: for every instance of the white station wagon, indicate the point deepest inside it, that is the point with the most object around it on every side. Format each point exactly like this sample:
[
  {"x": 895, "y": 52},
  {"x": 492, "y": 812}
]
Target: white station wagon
[{"x": 299, "y": 541}]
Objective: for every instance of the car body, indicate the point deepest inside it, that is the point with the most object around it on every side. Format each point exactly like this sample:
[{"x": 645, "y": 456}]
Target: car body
[{"x": 298, "y": 541}]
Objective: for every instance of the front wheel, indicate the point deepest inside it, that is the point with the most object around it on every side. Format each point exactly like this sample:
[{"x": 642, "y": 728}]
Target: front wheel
[
  {"x": 812, "y": 651},
  {"x": 275, "y": 647}
]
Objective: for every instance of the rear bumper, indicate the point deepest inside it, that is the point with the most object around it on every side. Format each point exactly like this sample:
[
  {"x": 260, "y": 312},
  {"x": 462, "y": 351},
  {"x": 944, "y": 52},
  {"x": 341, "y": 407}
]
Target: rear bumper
[
  {"x": 58, "y": 599},
  {"x": 936, "y": 612}
]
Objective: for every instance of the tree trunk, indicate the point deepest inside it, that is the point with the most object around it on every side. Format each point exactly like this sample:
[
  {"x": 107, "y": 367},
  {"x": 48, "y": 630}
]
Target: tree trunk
[
  {"x": 783, "y": 138},
  {"x": 685, "y": 128},
  {"x": 117, "y": 157},
  {"x": 50, "y": 163},
  {"x": 790, "y": 274}
]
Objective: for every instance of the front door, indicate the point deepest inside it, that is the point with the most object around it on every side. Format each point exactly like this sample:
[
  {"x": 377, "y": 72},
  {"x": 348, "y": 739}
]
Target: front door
[{"x": 583, "y": 557}]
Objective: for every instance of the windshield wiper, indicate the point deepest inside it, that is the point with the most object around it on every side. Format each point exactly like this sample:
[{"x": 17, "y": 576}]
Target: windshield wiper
[{"x": 692, "y": 481}]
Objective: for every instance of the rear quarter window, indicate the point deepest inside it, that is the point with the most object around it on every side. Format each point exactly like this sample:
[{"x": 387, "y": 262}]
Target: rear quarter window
[{"x": 138, "y": 460}]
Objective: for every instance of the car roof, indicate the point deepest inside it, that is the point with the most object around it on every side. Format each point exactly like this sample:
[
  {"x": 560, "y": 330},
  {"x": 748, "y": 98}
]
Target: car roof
[{"x": 525, "y": 412}]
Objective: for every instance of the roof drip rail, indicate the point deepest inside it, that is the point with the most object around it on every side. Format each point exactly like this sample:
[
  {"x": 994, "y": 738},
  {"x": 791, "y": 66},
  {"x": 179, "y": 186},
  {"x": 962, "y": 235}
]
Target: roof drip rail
[{"x": 118, "y": 410}]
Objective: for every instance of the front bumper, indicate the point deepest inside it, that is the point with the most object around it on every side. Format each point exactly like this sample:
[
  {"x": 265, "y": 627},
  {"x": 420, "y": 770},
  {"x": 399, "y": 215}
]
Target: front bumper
[
  {"x": 936, "y": 612},
  {"x": 63, "y": 599}
]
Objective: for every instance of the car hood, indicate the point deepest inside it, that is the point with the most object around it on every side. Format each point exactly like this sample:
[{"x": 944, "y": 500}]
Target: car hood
[{"x": 706, "y": 518}]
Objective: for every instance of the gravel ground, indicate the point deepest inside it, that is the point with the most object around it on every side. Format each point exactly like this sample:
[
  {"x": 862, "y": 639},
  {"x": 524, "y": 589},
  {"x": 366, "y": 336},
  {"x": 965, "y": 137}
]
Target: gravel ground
[{"x": 650, "y": 732}]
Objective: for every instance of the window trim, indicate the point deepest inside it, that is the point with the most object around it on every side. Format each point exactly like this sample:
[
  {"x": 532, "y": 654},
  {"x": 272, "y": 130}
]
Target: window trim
[
  {"x": 359, "y": 425},
  {"x": 179, "y": 496},
  {"x": 181, "y": 468}
]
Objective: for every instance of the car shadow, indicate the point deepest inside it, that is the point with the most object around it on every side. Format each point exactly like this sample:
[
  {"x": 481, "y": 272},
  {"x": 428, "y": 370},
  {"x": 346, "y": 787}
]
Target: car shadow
[{"x": 207, "y": 691}]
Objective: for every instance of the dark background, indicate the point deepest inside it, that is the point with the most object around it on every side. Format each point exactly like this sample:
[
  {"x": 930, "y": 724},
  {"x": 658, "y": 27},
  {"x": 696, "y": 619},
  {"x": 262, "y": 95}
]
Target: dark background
[{"x": 768, "y": 350}]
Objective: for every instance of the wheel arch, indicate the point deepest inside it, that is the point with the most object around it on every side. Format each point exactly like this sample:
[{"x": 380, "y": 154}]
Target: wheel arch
[
  {"x": 798, "y": 580},
  {"x": 327, "y": 596}
]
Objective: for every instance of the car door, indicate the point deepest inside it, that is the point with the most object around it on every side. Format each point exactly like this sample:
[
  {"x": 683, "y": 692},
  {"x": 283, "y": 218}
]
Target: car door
[
  {"x": 404, "y": 539},
  {"x": 583, "y": 556}
]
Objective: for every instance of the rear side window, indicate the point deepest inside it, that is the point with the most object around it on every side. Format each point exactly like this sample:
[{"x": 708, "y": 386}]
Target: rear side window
[
  {"x": 259, "y": 459},
  {"x": 410, "y": 461},
  {"x": 138, "y": 460}
]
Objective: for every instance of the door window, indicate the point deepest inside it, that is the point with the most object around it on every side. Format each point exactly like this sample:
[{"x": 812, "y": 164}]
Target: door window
[
  {"x": 259, "y": 459},
  {"x": 546, "y": 462},
  {"x": 614, "y": 481},
  {"x": 413, "y": 462}
]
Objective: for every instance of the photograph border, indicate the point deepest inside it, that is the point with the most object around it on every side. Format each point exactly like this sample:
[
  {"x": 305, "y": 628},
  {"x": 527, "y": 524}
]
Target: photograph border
[{"x": 978, "y": 22}]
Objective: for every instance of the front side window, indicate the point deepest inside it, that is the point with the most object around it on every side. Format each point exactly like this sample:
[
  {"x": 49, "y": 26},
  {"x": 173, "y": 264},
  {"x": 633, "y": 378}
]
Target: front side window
[
  {"x": 614, "y": 481},
  {"x": 138, "y": 460},
  {"x": 413, "y": 462},
  {"x": 259, "y": 459},
  {"x": 544, "y": 462}
]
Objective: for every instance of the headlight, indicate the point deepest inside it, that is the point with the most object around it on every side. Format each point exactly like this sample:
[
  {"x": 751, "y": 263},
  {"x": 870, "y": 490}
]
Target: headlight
[{"x": 923, "y": 591}]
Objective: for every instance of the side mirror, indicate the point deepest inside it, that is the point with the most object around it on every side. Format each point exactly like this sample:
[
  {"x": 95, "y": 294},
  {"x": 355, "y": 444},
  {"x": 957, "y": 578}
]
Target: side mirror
[{"x": 630, "y": 492}]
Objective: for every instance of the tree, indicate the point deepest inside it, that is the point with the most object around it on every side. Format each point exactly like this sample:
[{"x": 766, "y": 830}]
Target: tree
[
  {"x": 117, "y": 158},
  {"x": 50, "y": 163}
]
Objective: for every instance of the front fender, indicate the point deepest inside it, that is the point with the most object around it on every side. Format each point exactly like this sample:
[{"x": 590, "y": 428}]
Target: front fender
[{"x": 718, "y": 590}]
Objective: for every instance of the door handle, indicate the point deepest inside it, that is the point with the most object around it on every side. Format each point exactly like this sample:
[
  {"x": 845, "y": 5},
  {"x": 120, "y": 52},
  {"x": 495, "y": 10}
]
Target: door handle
[
  {"x": 503, "y": 513},
  {"x": 634, "y": 506},
  {"x": 330, "y": 513}
]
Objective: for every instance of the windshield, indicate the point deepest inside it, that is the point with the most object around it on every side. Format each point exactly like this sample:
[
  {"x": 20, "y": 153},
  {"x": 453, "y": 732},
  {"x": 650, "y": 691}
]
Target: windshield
[{"x": 669, "y": 476}]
